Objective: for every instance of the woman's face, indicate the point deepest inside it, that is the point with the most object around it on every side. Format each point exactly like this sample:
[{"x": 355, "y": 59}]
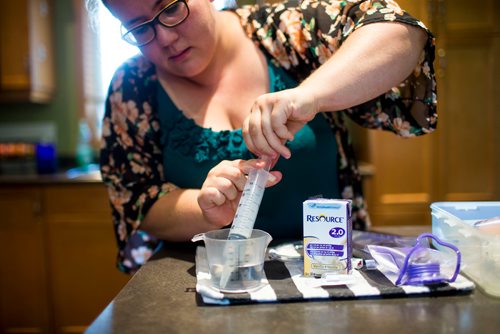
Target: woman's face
[{"x": 184, "y": 50}]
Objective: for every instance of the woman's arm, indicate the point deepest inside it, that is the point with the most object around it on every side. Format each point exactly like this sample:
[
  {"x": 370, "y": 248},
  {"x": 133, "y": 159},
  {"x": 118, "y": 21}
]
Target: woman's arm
[
  {"x": 183, "y": 213},
  {"x": 176, "y": 216},
  {"x": 373, "y": 59}
]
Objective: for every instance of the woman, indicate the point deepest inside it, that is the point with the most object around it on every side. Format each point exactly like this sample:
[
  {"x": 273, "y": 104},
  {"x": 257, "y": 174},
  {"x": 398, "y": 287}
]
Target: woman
[{"x": 213, "y": 90}]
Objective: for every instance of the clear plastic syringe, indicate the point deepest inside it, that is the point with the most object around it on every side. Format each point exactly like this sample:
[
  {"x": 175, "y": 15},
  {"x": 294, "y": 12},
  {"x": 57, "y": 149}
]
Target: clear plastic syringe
[
  {"x": 245, "y": 216},
  {"x": 249, "y": 204}
]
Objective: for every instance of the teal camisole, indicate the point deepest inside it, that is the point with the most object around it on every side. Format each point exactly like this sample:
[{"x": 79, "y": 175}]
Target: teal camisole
[{"x": 190, "y": 151}]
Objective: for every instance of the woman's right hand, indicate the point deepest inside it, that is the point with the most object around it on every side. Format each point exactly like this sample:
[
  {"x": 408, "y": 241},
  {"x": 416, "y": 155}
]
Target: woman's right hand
[
  {"x": 220, "y": 193},
  {"x": 276, "y": 117}
]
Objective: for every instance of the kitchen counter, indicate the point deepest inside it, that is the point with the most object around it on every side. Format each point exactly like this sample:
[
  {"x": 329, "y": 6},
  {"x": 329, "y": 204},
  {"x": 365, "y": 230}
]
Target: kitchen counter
[
  {"x": 89, "y": 174},
  {"x": 161, "y": 298},
  {"x": 92, "y": 174}
]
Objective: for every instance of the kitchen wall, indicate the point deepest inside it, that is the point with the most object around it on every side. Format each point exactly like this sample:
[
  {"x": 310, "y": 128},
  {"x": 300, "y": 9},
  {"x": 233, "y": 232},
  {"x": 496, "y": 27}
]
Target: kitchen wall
[{"x": 63, "y": 110}]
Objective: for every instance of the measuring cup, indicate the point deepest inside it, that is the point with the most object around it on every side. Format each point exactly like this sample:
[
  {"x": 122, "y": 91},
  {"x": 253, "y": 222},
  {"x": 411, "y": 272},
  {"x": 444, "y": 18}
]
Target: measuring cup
[{"x": 242, "y": 260}]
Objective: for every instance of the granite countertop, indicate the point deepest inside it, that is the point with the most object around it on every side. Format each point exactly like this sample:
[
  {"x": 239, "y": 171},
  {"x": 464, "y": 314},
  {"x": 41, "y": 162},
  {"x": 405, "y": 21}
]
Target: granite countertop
[
  {"x": 87, "y": 174},
  {"x": 91, "y": 174},
  {"x": 161, "y": 298}
]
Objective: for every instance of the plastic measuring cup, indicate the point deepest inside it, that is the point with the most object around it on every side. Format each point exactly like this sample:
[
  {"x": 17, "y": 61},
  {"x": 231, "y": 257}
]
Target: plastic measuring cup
[{"x": 247, "y": 266}]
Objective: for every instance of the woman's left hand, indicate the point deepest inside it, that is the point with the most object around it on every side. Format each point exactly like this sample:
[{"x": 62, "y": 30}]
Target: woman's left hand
[
  {"x": 220, "y": 194},
  {"x": 275, "y": 118}
]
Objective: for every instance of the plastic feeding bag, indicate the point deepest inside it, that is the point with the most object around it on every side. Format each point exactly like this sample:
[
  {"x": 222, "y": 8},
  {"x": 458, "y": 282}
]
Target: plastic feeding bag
[{"x": 419, "y": 264}]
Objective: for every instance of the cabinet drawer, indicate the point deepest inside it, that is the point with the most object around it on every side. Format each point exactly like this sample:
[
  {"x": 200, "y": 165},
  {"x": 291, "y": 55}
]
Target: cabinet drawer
[{"x": 79, "y": 199}]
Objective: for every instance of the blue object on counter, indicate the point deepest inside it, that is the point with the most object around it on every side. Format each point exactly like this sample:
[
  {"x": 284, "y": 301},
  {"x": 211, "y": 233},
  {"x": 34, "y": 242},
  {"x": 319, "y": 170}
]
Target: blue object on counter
[
  {"x": 79, "y": 171},
  {"x": 46, "y": 158}
]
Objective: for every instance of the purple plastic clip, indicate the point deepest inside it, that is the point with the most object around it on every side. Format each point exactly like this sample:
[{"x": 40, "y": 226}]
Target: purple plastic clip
[{"x": 426, "y": 272}]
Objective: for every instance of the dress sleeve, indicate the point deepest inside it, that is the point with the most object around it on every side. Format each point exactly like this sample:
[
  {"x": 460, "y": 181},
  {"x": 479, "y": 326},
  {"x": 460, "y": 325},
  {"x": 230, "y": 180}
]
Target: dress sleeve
[
  {"x": 130, "y": 159},
  {"x": 301, "y": 37}
]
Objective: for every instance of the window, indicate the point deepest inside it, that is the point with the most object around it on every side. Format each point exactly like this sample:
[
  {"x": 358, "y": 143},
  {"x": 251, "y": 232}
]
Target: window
[
  {"x": 102, "y": 52},
  {"x": 113, "y": 50}
]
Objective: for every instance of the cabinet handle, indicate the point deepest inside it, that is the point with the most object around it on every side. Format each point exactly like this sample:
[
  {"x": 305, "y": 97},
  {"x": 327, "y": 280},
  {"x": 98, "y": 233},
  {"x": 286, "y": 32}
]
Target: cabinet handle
[
  {"x": 441, "y": 53},
  {"x": 438, "y": 10}
]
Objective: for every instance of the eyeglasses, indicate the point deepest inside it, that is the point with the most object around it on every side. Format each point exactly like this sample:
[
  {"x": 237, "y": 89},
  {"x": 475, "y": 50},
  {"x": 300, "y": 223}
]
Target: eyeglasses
[{"x": 172, "y": 15}]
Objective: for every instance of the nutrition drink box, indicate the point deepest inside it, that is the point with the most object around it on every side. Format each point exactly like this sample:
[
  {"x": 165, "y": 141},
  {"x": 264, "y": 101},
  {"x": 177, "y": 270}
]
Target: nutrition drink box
[{"x": 327, "y": 236}]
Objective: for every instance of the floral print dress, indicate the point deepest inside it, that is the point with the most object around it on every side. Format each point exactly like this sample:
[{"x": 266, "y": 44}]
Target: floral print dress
[{"x": 298, "y": 37}]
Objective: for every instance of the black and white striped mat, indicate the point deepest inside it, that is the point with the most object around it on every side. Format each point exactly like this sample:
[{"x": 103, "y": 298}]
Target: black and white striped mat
[{"x": 284, "y": 282}]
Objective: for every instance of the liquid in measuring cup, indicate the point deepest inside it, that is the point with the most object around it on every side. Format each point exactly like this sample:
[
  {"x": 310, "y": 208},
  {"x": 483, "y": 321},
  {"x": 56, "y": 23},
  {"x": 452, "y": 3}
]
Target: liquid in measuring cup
[
  {"x": 245, "y": 270},
  {"x": 245, "y": 277}
]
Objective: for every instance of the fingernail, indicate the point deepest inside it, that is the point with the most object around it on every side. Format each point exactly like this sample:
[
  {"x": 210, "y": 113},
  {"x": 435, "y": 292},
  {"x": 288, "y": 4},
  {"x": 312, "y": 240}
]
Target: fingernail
[{"x": 271, "y": 178}]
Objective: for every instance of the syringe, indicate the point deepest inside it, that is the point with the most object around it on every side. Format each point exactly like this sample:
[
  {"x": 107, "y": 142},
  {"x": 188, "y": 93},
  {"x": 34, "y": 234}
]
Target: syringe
[
  {"x": 245, "y": 216},
  {"x": 249, "y": 204}
]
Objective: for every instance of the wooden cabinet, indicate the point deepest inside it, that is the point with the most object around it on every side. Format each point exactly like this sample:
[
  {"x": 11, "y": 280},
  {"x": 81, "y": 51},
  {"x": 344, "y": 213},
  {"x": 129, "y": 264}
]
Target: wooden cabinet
[
  {"x": 58, "y": 253},
  {"x": 82, "y": 253},
  {"x": 26, "y": 51},
  {"x": 23, "y": 279},
  {"x": 468, "y": 154},
  {"x": 461, "y": 160}
]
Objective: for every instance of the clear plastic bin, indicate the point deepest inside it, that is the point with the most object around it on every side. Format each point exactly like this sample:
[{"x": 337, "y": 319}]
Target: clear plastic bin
[{"x": 454, "y": 222}]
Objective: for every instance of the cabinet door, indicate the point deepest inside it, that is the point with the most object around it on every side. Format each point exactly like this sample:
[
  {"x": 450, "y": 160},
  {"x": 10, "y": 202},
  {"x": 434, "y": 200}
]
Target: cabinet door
[
  {"x": 82, "y": 248},
  {"x": 14, "y": 46},
  {"x": 469, "y": 138},
  {"x": 23, "y": 285},
  {"x": 26, "y": 51}
]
